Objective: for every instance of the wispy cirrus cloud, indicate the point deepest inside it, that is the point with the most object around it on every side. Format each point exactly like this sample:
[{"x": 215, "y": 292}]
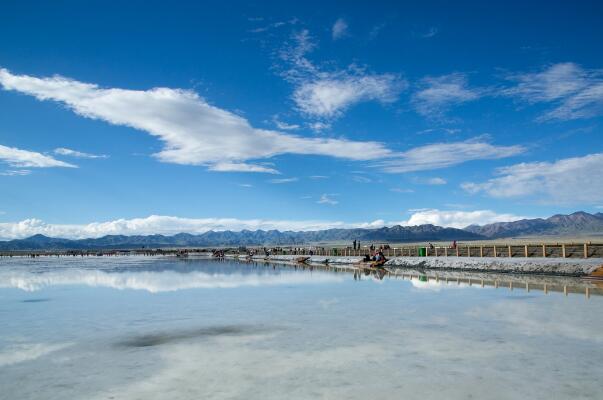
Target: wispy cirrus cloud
[
  {"x": 361, "y": 179},
  {"x": 328, "y": 94},
  {"x": 269, "y": 26},
  {"x": 436, "y": 95},
  {"x": 20, "y": 158},
  {"x": 431, "y": 32},
  {"x": 339, "y": 29},
  {"x": 283, "y": 180},
  {"x": 567, "y": 181},
  {"x": 193, "y": 131},
  {"x": 284, "y": 125},
  {"x": 15, "y": 172},
  {"x": 401, "y": 190},
  {"x": 442, "y": 155},
  {"x": 573, "y": 91},
  {"x": 327, "y": 199},
  {"x": 77, "y": 154},
  {"x": 436, "y": 181}
]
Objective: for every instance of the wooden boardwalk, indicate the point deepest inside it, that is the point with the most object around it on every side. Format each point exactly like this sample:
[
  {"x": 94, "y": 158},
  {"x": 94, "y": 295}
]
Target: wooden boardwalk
[{"x": 555, "y": 250}]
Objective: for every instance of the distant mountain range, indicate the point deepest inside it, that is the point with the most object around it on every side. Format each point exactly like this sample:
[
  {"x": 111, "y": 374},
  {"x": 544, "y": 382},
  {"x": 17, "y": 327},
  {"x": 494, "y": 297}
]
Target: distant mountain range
[
  {"x": 246, "y": 238},
  {"x": 578, "y": 223}
]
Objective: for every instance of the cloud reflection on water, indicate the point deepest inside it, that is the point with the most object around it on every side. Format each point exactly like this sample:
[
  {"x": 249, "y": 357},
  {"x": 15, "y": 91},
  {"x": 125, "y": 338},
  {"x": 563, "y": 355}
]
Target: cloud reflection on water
[
  {"x": 156, "y": 282},
  {"x": 21, "y": 352}
]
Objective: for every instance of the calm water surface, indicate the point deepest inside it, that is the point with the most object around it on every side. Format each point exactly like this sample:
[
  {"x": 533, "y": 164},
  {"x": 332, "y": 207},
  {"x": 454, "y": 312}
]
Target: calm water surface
[{"x": 161, "y": 328}]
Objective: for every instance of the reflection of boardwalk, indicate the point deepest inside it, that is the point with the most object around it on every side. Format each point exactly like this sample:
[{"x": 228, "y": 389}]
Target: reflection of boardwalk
[
  {"x": 442, "y": 279},
  {"x": 525, "y": 283}
]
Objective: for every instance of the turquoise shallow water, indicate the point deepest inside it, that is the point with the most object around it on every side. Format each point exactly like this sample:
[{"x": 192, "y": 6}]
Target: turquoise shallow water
[{"x": 164, "y": 328}]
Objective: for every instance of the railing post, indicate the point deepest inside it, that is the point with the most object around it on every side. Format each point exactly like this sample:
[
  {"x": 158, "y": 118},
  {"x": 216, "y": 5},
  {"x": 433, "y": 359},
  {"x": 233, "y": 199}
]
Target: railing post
[
  {"x": 563, "y": 254},
  {"x": 585, "y": 250},
  {"x": 543, "y": 250}
]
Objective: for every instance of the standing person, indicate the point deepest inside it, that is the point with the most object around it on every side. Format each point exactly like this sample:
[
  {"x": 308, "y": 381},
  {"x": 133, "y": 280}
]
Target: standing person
[{"x": 354, "y": 244}]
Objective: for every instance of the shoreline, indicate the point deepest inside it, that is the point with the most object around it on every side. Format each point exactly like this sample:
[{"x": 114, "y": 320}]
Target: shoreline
[{"x": 516, "y": 265}]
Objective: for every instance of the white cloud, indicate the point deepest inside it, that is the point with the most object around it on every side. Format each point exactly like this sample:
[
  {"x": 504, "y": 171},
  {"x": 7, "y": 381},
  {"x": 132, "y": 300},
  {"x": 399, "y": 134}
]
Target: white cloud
[
  {"x": 245, "y": 185},
  {"x": 29, "y": 159},
  {"x": 436, "y": 181},
  {"x": 568, "y": 181},
  {"x": 273, "y": 25},
  {"x": 78, "y": 154},
  {"x": 553, "y": 83},
  {"x": 241, "y": 167},
  {"x": 15, "y": 172},
  {"x": 339, "y": 29},
  {"x": 458, "y": 219},
  {"x": 401, "y": 190},
  {"x": 193, "y": 131},
  {"x": 331, "y": 94},
  {"x": 319, "y": 177},
  {"x": 437, "y": 94},
  {"x": 327, "y": 94},
  {"x": 157, "y": 224},
  {"x": 285, "y": 126},
  {"x": 283, "y": 180},
  {"x": 442, "y": 155},
  {"x": 327, "y": 199},
  {"x": 319, "y": 126},
  {"x": 430, "y": 33},
  {"x": 361, "y": 179},
  {"x": 575, "y": 92}
]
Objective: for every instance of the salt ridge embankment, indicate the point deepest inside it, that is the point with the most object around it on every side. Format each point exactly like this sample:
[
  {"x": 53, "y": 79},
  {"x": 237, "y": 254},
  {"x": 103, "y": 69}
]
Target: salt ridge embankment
[{"x": 531, "y": 265}]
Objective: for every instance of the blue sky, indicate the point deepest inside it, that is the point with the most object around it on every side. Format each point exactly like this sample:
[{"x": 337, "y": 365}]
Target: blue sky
[{"x": 171, "y": 117}]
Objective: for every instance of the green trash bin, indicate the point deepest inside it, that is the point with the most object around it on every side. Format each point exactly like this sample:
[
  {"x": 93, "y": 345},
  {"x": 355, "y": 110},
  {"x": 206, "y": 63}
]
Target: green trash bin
[{"x": 422, "y": 252}]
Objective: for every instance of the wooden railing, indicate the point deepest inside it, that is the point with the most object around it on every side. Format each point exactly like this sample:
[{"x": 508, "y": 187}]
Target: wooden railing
[{"x": 559, "y": 250}]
